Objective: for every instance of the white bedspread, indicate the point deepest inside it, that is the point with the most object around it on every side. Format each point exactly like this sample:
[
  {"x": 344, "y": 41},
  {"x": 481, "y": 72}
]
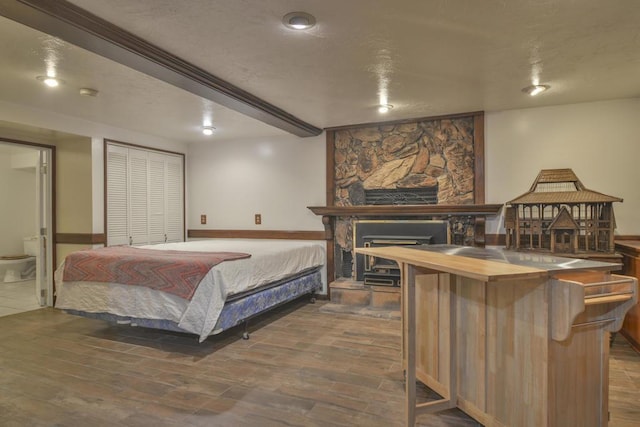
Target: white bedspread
[{"x": 270, "y": 261}]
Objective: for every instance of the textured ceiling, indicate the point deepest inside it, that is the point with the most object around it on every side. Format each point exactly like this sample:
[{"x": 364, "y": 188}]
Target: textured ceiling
[{"x": 427, "y": 57}]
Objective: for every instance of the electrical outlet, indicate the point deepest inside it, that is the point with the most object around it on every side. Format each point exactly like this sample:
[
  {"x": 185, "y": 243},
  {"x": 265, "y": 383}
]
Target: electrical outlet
[
  {"x": 258, "y": 219},
  {"x": 203, "y": 219}
]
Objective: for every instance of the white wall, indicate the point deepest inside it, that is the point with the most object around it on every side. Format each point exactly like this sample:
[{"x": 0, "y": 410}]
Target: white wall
[
  {"x": 278, "y": 177},
  {"x": 17, "y": 113},
  {"x": 97, "y": 185},
  {"x": 600, "y": 141}
]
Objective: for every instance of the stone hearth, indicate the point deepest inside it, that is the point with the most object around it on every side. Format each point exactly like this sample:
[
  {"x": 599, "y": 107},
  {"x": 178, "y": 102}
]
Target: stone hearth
[
  {"x": 360, "y": 311},
  {"x": 351, "y": 296}
]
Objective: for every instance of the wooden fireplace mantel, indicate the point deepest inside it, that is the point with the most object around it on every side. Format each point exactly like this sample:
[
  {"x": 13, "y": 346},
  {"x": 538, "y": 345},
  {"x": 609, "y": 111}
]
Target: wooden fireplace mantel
[
  {"x": 329, "y": 213},
  {"x": 407, "y": 210}
]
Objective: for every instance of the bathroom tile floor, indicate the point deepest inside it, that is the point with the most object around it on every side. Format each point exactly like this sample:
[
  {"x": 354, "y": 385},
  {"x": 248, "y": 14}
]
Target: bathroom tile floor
[{"x": 18, "y": 297}]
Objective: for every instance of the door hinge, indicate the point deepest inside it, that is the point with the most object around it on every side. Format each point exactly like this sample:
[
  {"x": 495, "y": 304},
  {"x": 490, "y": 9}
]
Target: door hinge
[
  {"x": 43, "y": 293},
  {"x": 43, "y": 169}
]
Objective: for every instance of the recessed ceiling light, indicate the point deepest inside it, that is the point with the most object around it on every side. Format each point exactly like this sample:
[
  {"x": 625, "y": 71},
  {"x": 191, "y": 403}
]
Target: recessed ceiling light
[
  {"x": 534, "y": 90},
  {"x": 208, "y": 130},
  {"x": 384, "y": 108},
  {"x": 50, "y": 81},
  {"x": 85, "y": 91},
  {"x": 298, "y": 20}
]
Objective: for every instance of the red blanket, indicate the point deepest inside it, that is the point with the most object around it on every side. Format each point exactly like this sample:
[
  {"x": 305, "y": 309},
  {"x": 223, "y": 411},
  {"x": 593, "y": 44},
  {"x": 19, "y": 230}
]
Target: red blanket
[{"x": 175, "y": 272}]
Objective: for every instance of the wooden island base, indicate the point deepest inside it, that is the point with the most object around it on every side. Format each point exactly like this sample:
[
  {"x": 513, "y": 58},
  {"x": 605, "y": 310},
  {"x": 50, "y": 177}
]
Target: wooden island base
[{"x": 511, "y": 342}]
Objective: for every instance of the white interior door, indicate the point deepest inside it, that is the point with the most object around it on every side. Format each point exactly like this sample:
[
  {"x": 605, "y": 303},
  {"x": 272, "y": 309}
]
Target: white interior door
[
  {"x": 174, "y": 182},
  {"x": 44, "y": 260},
  {"x": 117, "y": 196},
  {"x": 156, "y": 198},
  {"x": 138, "y": 197}
]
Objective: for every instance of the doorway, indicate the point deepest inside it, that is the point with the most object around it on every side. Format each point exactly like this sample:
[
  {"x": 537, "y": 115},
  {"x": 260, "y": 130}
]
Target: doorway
[{"x": 26, "y": 218}]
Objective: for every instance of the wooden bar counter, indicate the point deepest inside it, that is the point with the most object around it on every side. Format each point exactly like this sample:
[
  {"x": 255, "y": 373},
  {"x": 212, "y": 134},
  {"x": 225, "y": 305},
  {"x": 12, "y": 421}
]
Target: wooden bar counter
[
  {"x": 511, "y": 338},
  {"x": 630, "y": 250}
]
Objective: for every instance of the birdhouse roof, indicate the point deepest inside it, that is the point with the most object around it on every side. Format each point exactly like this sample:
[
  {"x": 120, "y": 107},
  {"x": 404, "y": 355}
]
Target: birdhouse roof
[
  {"x": 561, "y": 186},
  {"x": 564, "y": 221}
]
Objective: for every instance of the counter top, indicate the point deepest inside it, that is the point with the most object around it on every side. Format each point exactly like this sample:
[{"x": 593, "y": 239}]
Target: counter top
[
  {"x": 631, "y": 247},
  {"x": 486, "y": 264}
]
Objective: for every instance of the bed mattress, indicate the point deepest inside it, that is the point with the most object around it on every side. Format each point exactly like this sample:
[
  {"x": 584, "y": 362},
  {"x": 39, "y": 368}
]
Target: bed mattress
[{"x": 271, "y": 261}]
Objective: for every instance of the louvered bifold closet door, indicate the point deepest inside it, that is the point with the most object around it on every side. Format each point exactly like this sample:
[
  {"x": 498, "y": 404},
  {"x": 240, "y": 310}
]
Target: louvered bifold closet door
[
  {"x": 174, "y": 185},
  {"x": 138, "y": 197},
  {"x": 117, "y": 196},
  {"x": 145, "y": 196},
  {"x": 157, "y": 196}
]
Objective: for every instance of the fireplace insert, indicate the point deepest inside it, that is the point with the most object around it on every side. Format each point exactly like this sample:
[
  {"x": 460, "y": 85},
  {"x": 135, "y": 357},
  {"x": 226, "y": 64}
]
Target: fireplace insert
[{"x": 382, "y": 272}]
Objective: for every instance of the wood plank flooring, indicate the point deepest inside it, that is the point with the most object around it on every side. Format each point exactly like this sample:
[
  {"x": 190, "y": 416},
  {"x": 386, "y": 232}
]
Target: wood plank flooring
[{"x": 301, "y": 367}]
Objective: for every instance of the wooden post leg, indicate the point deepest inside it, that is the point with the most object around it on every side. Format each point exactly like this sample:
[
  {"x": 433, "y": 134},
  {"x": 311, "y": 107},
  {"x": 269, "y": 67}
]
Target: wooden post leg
[
  {"x": 453, "y": 344},
  {"x": 409, "y": 323},
  {"x": 410, "y": 352}
]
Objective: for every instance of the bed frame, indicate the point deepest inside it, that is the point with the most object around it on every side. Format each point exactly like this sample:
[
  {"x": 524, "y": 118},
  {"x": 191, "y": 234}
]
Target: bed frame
[{"x": 237, "y": 309}]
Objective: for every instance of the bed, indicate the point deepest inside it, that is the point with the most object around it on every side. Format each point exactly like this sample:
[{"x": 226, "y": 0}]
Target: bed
[{"x": 230, "y": 293}]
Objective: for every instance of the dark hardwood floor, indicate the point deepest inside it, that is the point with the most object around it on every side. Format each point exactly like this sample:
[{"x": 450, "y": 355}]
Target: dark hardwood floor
[{"x": 301, "y": 367}]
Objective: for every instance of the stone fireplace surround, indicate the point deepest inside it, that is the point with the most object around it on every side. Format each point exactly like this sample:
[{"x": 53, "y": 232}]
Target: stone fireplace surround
[
  {"x": 420, "y": 169},
  {"x": 425, "y": 169}
]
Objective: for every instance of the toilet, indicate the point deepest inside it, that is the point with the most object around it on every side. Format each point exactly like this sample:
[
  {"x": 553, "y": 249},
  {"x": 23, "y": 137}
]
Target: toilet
[
  {"x": 14, "y": 268},
  {"x": 30, "y": 245}
]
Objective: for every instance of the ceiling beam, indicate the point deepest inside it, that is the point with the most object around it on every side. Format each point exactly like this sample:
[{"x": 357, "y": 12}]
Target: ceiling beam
[{"x": 77, "y": 26}]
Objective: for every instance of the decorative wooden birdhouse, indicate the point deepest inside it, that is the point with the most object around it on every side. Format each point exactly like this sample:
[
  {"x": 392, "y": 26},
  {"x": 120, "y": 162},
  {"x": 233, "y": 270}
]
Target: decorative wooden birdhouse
[{"x": 559, "y": 215}]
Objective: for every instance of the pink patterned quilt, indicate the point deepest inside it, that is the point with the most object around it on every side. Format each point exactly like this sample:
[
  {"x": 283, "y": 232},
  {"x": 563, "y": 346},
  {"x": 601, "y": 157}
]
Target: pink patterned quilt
[{"x": 174, "y": 272}]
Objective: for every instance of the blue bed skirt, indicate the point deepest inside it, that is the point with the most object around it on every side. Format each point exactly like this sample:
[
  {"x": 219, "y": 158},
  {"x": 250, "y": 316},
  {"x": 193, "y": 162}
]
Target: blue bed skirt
[{"x": 234, "y": 311}]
